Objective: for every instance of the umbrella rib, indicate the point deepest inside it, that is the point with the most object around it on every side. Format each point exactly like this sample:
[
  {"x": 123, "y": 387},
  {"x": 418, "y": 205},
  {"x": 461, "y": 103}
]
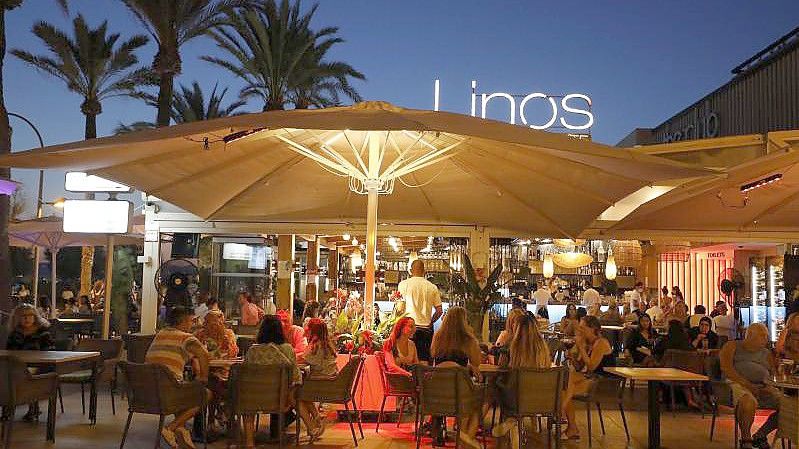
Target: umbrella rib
[
  {"x": 436, "y": 215},
  {"x": 498, "y": 186},
  {"x": 578, "y": 190},
  {"x": 279, "y": 169}
]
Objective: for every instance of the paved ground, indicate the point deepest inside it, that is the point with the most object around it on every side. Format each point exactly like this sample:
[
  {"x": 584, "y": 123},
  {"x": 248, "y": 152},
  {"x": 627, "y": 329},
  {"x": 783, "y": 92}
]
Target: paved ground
[{"x": 686, "y": 430}]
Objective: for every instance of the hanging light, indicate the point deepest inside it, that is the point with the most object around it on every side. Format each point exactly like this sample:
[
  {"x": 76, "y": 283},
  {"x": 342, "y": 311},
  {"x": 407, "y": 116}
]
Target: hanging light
[
  {"x": 572, "y": 260},
  {"x": 356, "y": 260},
  {"x": 610, "y": 267},
  {"x": 346, "y": 237},
  {"x": 549, "y": 266},
  {"x": 354, "y": 241}
]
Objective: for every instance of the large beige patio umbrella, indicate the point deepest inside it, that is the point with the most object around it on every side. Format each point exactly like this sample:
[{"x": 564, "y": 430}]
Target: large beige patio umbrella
[
  {"x": 756, "y": 198},
  {"x": 48, "y": 233},
  {"x": 330, "y": 165}
]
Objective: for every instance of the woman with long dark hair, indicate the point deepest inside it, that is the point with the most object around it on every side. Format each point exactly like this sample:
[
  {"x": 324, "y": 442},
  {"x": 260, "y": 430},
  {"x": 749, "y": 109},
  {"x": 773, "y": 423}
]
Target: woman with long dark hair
[{"x": 641, "y": 342}]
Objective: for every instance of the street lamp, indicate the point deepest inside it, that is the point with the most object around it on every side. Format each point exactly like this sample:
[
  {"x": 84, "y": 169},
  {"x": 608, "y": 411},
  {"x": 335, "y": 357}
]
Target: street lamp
[{"x": 39, "y": 209}]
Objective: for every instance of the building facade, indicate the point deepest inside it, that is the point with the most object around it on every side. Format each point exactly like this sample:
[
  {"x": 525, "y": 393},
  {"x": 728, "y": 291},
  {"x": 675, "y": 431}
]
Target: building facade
[{"x": 762, "y": 96}]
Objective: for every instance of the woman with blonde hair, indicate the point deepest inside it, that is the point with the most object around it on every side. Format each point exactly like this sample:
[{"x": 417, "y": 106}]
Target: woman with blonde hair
[
  {"x": 527, "y": 350},
  {"x": 454, "y": 344},
  {"x": 504, "y": 338},
  {"x": 28, "y": 331},
  {"x": 788, "y": 342}
]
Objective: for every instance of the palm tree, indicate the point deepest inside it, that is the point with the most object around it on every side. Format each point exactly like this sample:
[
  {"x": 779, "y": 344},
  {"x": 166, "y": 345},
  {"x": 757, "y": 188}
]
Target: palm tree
[
  {"x": 189, "y": 105},
  {"x": 92, "y": 65},
  {"x": 280, "y": 58},
  {"x": 172, "y": 23},
  {"x": 5, "y": 148}
]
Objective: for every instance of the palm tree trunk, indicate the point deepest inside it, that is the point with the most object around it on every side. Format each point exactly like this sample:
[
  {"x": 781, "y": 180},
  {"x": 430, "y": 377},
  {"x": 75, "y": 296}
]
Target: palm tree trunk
[
  {"x": 5, "y": 173},
  {"x": 165, "y": 91},
  {"x": 87, "y": 252},
  {"x": 91, "y": 127}
]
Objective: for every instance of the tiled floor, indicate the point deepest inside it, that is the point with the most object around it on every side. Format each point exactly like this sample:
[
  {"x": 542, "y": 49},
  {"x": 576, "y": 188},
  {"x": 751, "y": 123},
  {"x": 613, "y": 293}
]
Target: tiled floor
[{"x": 686, "y": 430}]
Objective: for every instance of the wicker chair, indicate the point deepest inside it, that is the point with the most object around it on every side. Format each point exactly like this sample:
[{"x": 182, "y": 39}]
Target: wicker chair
[
  {"x": 534, "y": 392},
  {"x": 603, "y": 389},
  {"x": 446, "y": 392},
  {"x": 255, "y": 389},
  {"x": 137, "y": 346},
  {"x": 241, "y": 329},
  {"x": 788, "y": 427},
  {"x": 336, "y": 390},
  {"x": 18, "y": 386},
  {"x": 395, "y": 385},
  {"x": 153, "y": 390},
  {"x": 691, "y": 361},
  {"x": 110, "y": 351}
]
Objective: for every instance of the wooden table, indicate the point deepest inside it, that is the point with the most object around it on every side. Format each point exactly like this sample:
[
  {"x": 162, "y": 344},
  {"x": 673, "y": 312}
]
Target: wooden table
[
  {"x": 612, "y": 328},
  {"x": 785, "y": 382},
  {"x": 63, "y": 362},
  {"x": 224, "y": 363},
  {"x": 75, "y": 320},
  {"x": 653, "y": 376},
  {"x": 489, "y": 369}
]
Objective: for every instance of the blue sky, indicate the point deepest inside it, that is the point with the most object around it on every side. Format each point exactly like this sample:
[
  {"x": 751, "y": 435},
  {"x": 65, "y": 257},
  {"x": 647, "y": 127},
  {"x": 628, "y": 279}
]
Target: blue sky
[{"x": 640, "y": 62}]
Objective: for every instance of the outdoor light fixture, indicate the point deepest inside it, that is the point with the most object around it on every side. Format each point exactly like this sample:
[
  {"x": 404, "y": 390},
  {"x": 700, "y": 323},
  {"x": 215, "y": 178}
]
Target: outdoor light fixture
[
  {"x": 610, "y": 267},
  {"x": 354, "y": 241},
  {"x": 356, "y": 260},
  {"x": 761, "y": 182},
  {"x": 97, "y": 217},
  {"x": 346, "y": 236},
  {"x": 549, "y": 266},
  {"x": 58, "y": 203},
  {"x": 76, "y": 181}
]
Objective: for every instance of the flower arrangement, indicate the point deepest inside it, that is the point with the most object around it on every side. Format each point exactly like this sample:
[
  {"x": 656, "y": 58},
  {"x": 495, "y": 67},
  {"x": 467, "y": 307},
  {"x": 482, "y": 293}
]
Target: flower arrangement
[{"x": 362, "y": 342}]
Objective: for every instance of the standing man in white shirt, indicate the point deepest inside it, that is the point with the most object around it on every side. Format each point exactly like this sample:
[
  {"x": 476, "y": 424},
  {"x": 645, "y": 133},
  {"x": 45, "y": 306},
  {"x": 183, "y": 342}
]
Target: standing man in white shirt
[
  {"x": 423, "y": 304},
  {"x": 591, "y": 296},
  {"x": 725, "y": 323},
  {"x": 542, "y": 295}
]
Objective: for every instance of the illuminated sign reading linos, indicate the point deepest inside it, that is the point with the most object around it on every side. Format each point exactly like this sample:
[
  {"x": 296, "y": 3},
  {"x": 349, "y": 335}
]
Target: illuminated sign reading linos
[{"x": 561, "y": 109}]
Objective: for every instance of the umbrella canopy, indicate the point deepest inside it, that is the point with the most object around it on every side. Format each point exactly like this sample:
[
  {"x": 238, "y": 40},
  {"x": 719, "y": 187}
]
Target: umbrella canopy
[
  {"x": 759, "y": 196},
  {"x": 444, "y": 168},
  {"x": 48, "y": 232}
]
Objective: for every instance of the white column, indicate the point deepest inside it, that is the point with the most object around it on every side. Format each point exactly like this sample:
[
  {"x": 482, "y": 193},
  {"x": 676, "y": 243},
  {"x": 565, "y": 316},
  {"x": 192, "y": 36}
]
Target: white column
[
  {"x": 53, "y": 281},
  {"x": 35, "y": 277},
  {"x": 109, "y": 279},
  {"x": 152, "y": 256}
]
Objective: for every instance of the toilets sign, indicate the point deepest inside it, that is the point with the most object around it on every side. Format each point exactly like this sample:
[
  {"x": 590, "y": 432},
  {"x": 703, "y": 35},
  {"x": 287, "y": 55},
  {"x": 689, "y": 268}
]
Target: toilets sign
[{"x": 571, "y": 111}]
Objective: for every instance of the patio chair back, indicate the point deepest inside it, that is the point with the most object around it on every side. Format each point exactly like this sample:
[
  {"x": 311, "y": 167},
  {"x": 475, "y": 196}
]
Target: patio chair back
[
  {"x": 691, "y": 361},
  {"x": 108, "y": 349},
  {"x": 340, "y": 389},
  {"x": 257, "y": 388},
  {"x": 446, "y": 391},
  {"x": 153, "y": 389},
  {"x": 539, "y": 390},
  {"x": 137, "y": 346}
]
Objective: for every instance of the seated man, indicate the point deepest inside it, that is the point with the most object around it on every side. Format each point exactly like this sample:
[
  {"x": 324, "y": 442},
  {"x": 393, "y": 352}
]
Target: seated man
[
  {"x": 747, "y": 364},
  {"x": 173, "y": 347}
]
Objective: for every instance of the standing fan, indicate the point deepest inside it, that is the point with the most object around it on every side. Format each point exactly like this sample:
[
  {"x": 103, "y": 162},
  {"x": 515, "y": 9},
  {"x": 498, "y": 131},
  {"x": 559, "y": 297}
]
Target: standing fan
[
  {"x": 175, "y": 280},
  {"x": 730, "y": 283}
]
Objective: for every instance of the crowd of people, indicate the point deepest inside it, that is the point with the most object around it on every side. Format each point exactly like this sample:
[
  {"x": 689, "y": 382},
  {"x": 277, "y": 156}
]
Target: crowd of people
[{"x": 192, "y": 338}]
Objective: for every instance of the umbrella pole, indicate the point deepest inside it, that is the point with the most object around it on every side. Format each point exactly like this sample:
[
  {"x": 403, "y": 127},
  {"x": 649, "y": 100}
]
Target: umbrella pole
[
  {"x": 109, "y": 275},
  {"x": 371, "y": 248},
  {"x": 35, "y": 275},
  {"x": 53, "y": 281}
]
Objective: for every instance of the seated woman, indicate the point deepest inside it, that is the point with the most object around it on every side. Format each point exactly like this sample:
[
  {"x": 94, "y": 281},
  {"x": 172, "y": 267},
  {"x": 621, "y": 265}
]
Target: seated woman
[
  {"x": 787, "y": 346},
  {"x": 527, "y": 350},
  {"x": 678, "y": 313},
  {"x": 640, "y": 343},
  {"x": 455, "y": 344},
  {"x": 702, "y": 336},
  {"x": 676, "y": 338},
  {"x": 593, "y": 353},
  {"x": 399, "y": 350},
  {"x": 570, "y": 321},
  {"x": 220, "y": 342},
  {"x": 84, "y": 305},
  {"x": 295, "y": 335},
  {"x": 272, "y": 349},
  {"x": 320, "y": 355},
  {"x": 500, "y": 349},
  {"x": 28, "y": 331}
]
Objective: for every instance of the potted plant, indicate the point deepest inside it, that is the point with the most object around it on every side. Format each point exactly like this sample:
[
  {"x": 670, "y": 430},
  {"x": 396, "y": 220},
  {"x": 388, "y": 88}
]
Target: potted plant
[{"x": 479, "y": 295}]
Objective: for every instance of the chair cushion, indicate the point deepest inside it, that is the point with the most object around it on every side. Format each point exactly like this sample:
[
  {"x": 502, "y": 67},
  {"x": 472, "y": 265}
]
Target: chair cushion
[{"x": 76, "y": 377}]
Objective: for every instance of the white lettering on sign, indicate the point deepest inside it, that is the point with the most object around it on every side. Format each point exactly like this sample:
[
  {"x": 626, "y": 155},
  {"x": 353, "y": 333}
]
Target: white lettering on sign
[{"x": 561, "y": 111}]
